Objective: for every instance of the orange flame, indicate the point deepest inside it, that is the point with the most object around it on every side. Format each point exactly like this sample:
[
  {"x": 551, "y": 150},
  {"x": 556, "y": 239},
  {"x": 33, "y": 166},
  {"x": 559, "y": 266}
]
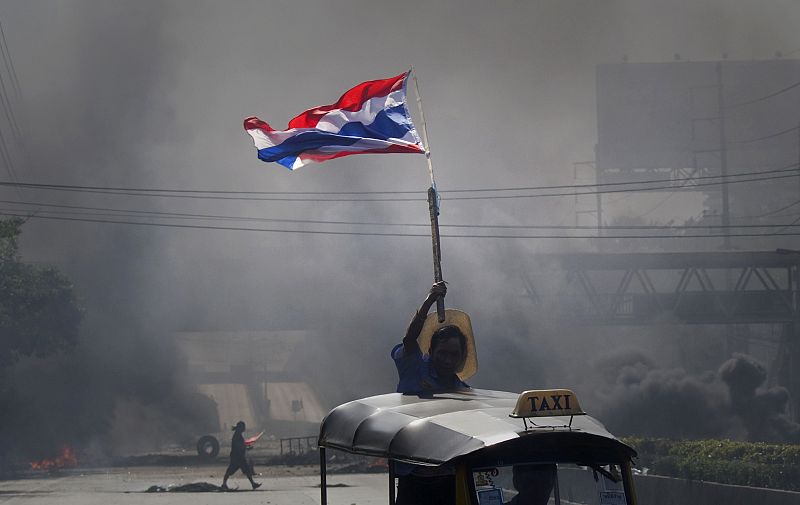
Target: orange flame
[
  {"x": 379, "y": 463},
  {"x": 66, "y": 459}
]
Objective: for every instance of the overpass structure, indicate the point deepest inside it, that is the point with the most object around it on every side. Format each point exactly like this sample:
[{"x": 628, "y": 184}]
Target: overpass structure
[
  {"x": 669, "y": 288},
  {"x": 731, "y": 287}
]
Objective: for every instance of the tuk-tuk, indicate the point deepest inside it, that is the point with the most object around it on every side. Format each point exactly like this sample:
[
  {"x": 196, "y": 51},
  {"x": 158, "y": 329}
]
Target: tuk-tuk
[{"x": 497, "y": 446}]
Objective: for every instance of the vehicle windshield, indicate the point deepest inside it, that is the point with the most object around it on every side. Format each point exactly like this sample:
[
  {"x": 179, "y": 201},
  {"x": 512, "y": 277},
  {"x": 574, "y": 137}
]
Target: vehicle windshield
[{"x": 549, "y": 484}]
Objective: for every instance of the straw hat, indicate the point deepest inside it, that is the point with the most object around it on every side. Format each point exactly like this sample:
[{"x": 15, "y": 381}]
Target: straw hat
[{"x": 460, "y": 320}]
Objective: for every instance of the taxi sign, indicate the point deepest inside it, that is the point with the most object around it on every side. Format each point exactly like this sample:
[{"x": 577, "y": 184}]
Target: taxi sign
[{"x": 547, "y": 403}]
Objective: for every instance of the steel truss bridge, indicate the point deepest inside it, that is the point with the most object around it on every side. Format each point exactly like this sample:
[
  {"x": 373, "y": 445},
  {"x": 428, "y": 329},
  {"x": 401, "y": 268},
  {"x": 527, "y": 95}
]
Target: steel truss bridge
[
  {"x": 733, "y": 288},
  {"x": 664, "y": 288}
]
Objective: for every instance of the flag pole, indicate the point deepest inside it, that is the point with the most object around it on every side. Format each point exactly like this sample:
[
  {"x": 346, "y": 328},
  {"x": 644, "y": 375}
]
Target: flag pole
[{"x": 433, "y": 207}]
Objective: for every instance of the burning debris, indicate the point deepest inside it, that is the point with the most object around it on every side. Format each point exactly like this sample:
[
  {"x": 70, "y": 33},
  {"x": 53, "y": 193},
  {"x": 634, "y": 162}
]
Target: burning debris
[{"x": 66, "y": 459}]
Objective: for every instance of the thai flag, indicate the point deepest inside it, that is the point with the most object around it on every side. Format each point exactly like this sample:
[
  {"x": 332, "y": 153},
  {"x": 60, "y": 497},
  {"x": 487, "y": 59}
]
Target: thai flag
[{"x": 370, "y": 118}]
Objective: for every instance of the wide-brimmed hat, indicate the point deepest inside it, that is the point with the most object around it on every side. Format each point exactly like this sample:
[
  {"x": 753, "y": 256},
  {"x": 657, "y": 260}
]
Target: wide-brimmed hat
[{"x": 459, "y": 319}]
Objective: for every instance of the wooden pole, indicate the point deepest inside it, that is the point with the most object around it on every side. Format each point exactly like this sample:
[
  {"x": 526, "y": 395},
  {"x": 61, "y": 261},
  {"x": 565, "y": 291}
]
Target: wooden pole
[{"x": 433, "y": 207}]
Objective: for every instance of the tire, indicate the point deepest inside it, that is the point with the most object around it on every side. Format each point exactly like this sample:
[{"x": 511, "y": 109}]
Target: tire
[{"x": 207, "y": 447}]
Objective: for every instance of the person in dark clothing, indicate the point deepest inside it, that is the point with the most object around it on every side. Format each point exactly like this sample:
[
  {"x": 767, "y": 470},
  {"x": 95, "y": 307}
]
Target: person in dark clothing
[
  {"x": 436, "y": 371},
  {"x": 239, "y": 458},
  {"x": 426, "y": 373},
  {"x": 533, "y": 483}
]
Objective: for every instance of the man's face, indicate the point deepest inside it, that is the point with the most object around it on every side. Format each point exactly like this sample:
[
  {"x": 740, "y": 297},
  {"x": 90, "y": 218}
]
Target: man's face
[{"x": 447, "y": 357}]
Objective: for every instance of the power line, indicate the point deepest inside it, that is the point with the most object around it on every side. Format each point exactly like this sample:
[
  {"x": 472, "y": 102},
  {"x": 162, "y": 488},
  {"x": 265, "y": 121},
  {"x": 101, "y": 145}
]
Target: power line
[
  {"x": 7, "y": 160},
  {"x": 765, "y": 97},
  {"x": 794, "y": 222},
  {"x": 783, "y": 132},
  {"x": 4, "y": 97},
  {"x": 772, "y": 212},
  {"x": 112, "y": 212},
  {"x": 444, "y": 193},
  {"x": 381, "y": 234},
  {"x": 10, "y": 63},
  {"x": 659, "y": 204},
  {"x": 654, "y": 188},
  {"x": 215, "y": 194},
  {"x": 9, "y": 112},
  {"x": 387, "y": 234}
]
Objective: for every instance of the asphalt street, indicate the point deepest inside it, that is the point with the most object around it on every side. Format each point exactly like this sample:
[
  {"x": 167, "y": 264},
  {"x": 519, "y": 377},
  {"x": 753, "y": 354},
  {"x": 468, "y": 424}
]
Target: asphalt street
[{"x": 129, "y": 485}]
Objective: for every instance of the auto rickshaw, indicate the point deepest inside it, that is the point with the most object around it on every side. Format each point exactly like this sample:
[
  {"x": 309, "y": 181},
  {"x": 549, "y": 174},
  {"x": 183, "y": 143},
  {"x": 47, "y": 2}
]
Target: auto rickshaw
[{"x": 497, "y": 445}]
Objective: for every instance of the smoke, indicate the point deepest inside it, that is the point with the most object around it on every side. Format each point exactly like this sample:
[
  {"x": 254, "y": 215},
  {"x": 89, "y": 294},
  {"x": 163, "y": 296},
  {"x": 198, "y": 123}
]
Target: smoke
[
  {"x": 101, "y": 404},
  {"x": 636, "y": 397},
  {"x": 120, "y": 389},
  {"x": 761, "y": 409}
]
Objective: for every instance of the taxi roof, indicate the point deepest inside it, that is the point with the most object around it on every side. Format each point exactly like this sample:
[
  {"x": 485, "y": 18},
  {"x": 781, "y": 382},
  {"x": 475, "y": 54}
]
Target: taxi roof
[{"x": 432, "y": 430}]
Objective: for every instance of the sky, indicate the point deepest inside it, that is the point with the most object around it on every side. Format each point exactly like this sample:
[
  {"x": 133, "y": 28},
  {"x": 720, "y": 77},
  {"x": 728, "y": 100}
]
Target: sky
[{"x": 152, "y": 94}]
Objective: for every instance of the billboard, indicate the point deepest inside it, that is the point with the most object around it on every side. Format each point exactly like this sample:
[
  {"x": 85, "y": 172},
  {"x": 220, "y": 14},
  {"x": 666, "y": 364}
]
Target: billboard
[{"x": 655, "y": 119}]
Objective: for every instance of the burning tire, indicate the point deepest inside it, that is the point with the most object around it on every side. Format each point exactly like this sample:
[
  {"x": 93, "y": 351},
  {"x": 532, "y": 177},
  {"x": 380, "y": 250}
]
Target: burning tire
[{"x": 207, "y": 447}]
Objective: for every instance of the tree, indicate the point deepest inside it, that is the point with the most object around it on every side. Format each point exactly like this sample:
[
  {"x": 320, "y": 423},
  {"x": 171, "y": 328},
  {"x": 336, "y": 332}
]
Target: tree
[{"x": 39, "y": 314}]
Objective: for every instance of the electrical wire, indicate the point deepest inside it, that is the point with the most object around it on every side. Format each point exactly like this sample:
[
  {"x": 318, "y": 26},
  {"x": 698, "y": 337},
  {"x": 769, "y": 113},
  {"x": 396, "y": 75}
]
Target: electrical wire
[
  {"x": 654, "y": 188},
  {"x": 112, "y": 212},
  {"x": 9, "y": 112},
  {"x": 658, "y": 205},
  {"x": 778, "y": 134},
  {"x": 215, "y": 195},
  {"x": 178, "y": 215},
  {"x": 126, "y": 190},
  {"x": 772, "y": 212},
  {"x": 10, "y": 63},
  {"x": 765, "y": 97},
  {"x": 387, "y": 234}
]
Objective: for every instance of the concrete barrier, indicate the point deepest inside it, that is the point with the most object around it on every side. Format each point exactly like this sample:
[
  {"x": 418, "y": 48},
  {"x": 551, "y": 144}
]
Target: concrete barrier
[{"x": 656, "y": 490}]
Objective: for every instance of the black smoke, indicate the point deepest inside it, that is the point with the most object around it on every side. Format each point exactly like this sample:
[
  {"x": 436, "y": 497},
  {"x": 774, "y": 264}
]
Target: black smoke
[
  {"x": 762, "y": 409},
  {"x": 119, "y": 389},
  {"x": 637, "y": 397}
]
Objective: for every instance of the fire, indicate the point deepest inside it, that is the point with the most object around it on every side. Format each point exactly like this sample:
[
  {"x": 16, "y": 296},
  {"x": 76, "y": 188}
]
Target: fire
[{"x": 66, "y": 459}]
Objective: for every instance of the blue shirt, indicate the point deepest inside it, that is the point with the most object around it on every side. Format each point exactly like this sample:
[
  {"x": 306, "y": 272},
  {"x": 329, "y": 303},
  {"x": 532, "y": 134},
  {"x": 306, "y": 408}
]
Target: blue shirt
[{"x": 416, "y": 373}]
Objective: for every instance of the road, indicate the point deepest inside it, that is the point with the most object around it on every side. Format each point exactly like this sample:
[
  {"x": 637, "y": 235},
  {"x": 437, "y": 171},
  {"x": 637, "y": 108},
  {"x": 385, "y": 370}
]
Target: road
[{"x": 113, "y": 486}]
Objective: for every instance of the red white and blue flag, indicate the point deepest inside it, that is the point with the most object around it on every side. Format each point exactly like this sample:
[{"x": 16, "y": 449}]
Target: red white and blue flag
[{"x": 369, "y": 118}]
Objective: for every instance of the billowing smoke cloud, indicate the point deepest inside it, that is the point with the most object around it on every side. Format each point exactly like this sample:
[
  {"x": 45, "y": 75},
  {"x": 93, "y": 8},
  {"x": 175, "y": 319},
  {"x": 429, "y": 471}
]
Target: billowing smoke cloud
[
  {"x": 120, "y": 390},
  {"x": 763, "y": 410},
  {"x": 639, "y": 399},
  {"x": 108, "y": 405},
  {"x": 636, "y": 397}
]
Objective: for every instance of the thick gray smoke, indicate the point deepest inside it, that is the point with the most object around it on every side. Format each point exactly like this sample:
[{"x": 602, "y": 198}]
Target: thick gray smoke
[
  {"x": 634, "y": 396},
  {"x": 761, "y": 409},
  {"x": 119, "y": 390},
  {"x": 638, "y": 398},
  {"x": 152, "y": 94}
]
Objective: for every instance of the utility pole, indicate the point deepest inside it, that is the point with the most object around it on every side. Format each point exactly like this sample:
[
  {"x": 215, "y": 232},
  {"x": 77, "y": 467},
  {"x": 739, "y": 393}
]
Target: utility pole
[
  {"x": 598, "y": 196},
  {"x": 723, "y": 159}
]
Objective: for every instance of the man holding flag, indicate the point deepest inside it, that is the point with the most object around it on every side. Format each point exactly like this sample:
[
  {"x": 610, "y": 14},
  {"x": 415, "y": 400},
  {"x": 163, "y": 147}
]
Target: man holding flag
[{"x": 372, "y": 117}]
